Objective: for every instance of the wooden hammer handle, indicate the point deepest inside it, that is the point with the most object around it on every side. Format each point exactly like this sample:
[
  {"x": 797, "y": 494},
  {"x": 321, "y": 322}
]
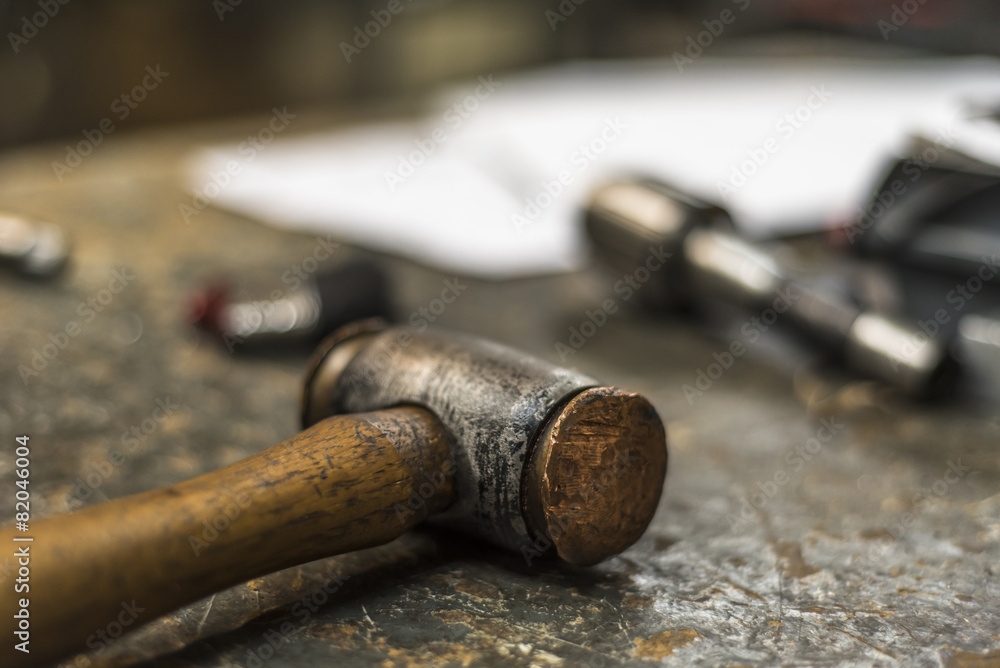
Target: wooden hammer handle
[{"x": 344, "y": 484}]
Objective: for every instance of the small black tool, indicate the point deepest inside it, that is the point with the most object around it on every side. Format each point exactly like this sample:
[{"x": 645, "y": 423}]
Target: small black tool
[
  {"x": 31, "y": 248},
  {"x": 299, "y": 315}
]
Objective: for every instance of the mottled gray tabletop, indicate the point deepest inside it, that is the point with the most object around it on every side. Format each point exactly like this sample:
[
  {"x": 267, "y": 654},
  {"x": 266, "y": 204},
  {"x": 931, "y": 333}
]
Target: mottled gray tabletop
[{"x": 806, "y": 521}]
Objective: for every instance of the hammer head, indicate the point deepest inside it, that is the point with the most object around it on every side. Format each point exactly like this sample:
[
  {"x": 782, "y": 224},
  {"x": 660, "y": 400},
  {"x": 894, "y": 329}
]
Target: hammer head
[{"x": 547, "y": 461}]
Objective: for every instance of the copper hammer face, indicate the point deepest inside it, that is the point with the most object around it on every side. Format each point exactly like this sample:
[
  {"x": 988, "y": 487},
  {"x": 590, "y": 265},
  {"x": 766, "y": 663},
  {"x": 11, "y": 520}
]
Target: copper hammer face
[{"x": 496, "y": 444}]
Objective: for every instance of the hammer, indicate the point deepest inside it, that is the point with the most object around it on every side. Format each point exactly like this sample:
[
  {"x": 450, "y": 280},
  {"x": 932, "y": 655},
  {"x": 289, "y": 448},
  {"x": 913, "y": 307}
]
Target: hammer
[
  {"x": 399, "y": 426},
  {"x": 710, "y": 261}
]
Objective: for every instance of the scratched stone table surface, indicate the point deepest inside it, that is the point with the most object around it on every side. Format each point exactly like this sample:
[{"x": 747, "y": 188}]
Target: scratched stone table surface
[{"x": 880, "y": 546}]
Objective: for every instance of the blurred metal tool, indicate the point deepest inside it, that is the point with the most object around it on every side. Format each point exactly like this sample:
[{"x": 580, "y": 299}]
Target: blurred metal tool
[
  {"x": 978, "y": 344},
  {"x": 711, "y": 262},
  {"x": 31, "y": 248},
  {"x": 940, "y": 217},
  {"x": 299, "y": 315}
]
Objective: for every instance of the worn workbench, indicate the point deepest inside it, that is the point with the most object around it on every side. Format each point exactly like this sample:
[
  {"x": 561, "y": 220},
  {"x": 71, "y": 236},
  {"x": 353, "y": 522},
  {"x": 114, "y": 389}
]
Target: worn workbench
[{"x": 805, "y": 521}]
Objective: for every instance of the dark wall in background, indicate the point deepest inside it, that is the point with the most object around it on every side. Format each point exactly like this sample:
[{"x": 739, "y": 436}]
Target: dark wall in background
[{"x": 64, "y": 65}]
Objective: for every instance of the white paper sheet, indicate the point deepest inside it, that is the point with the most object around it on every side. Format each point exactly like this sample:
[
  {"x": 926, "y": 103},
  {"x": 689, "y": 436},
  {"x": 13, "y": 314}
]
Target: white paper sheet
[{"x": 466, "y": 207}]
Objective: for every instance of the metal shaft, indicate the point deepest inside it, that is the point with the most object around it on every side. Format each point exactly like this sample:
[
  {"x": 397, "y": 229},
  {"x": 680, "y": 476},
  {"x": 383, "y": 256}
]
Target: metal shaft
[
  {"x": 711, "y": 262},
  {"x": 723, "y": 266}
]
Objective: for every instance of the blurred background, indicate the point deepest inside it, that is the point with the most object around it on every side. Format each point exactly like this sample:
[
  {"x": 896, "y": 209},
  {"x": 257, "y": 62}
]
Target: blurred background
[
  {"x": 238, "y": 57},
  {"x": 193, "y": 193}
]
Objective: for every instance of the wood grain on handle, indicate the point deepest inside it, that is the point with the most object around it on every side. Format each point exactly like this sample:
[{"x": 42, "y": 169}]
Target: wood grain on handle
[{"x": 343, "y": 484}]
